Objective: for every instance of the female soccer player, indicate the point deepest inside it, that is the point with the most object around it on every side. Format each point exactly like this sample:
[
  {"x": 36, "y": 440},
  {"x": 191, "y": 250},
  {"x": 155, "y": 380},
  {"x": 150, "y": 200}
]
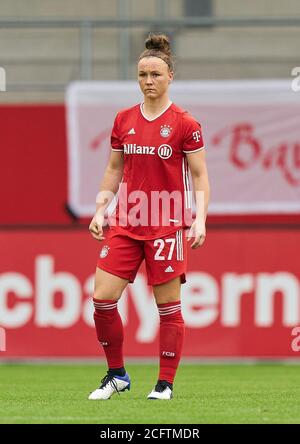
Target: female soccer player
[{"x": 153, "y": 146}]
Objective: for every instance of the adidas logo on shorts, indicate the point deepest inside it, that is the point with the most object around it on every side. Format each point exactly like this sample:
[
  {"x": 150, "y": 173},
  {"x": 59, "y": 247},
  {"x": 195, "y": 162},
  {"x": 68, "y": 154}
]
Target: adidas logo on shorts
[{"x": 169, "y": 269}]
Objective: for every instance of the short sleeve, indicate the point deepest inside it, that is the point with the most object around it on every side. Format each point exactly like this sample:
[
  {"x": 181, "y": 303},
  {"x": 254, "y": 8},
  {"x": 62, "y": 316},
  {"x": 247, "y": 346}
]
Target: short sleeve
[
  {"x": 192, "y": 135},
  {"x": 115, "y": 140}
]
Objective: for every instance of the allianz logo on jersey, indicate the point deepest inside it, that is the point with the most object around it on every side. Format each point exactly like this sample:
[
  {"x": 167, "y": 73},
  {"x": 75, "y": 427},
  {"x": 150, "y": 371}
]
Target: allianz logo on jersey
[{"x": 164, "y": 151}]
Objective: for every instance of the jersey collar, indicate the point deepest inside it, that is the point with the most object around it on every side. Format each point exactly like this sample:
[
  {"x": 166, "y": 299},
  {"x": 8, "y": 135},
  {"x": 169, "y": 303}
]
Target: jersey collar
[{"x": 151, "y": 120}]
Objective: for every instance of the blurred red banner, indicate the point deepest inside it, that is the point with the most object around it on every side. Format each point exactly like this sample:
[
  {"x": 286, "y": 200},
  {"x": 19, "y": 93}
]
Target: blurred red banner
[{"x": 241, "y": 299}]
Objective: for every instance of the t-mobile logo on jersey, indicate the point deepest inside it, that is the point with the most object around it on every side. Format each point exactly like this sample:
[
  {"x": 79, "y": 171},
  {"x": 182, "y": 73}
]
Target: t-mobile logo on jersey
[{"x": 197, "y": 136}]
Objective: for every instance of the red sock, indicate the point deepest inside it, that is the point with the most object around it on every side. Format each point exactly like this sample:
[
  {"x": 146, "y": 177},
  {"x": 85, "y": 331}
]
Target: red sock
[
  {"x": 170, "y": 339},
  {"x": 109, "y": 330}
]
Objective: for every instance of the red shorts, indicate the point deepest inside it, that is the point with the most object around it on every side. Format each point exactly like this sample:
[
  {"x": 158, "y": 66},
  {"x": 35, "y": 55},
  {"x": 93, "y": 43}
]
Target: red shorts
[{"x": 165, "y": 258}]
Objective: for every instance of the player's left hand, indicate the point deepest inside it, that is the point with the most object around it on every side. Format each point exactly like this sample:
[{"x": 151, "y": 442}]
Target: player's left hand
[{"x": 198, "y": 231}]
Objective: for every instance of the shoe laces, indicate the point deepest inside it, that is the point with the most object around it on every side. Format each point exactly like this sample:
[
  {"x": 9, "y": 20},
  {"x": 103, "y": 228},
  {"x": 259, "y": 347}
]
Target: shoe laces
[
  {"x": 109, "y": 379},
  {"x": 161, "y": 386}
]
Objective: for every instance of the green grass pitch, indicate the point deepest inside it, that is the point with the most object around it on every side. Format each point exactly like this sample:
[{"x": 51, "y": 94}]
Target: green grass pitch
[{"x": 231, "y": 393}]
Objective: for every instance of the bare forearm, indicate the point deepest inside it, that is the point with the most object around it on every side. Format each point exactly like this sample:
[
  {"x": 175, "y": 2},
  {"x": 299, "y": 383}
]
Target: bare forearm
[
  {"x": 108, "y": 188},
  {"x": 201, "y": 195}
]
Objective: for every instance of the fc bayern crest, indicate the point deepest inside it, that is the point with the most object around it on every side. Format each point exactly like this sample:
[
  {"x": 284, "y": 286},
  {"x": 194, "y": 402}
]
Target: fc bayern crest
[
  {"x": 104, "y": 251},
  {"x": 165, "y": 130}
]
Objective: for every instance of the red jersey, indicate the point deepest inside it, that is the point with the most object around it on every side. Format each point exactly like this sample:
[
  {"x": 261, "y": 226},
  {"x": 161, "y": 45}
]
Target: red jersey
[{"x": 154, "y": 198}]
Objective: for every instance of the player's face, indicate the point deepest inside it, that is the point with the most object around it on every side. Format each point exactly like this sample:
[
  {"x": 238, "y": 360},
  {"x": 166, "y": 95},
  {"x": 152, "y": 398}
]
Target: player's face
[{"x": 154, "y": 77}]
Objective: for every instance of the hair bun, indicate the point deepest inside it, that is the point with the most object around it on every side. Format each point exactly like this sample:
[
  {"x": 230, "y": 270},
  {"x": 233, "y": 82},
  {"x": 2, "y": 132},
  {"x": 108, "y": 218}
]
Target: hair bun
[{"x": 160, "y": 42}]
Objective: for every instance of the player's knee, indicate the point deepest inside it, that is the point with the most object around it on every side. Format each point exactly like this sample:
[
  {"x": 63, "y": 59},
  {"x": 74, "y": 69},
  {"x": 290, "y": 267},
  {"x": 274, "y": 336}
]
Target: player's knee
[
  {"x": 168, "y": 291},
  {"x": 165, "y": 299},
  {"x": 106, "y": 297},
  {"x": 102, "y": 292},
  {"x": 108, "y": 286}
]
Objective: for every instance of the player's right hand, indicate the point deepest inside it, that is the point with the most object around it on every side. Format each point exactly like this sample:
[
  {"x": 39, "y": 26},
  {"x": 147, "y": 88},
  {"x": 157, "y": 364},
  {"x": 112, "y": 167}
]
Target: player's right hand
[{"x": 96, "y": 227}]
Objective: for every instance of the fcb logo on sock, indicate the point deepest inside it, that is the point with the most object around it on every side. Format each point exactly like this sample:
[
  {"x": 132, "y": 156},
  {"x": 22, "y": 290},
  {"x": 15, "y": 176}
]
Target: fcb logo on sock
[{"x": 168, "y": 354}]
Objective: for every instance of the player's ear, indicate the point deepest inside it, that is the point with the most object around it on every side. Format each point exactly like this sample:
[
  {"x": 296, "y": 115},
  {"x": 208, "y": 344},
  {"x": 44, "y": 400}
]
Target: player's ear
[{"x": 171, "y": 76}]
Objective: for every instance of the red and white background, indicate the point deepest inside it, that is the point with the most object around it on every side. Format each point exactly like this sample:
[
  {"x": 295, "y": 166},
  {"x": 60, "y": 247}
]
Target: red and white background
[
  {"x": 251, "y": 131},
  {"x": 242, "y": 296}
]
